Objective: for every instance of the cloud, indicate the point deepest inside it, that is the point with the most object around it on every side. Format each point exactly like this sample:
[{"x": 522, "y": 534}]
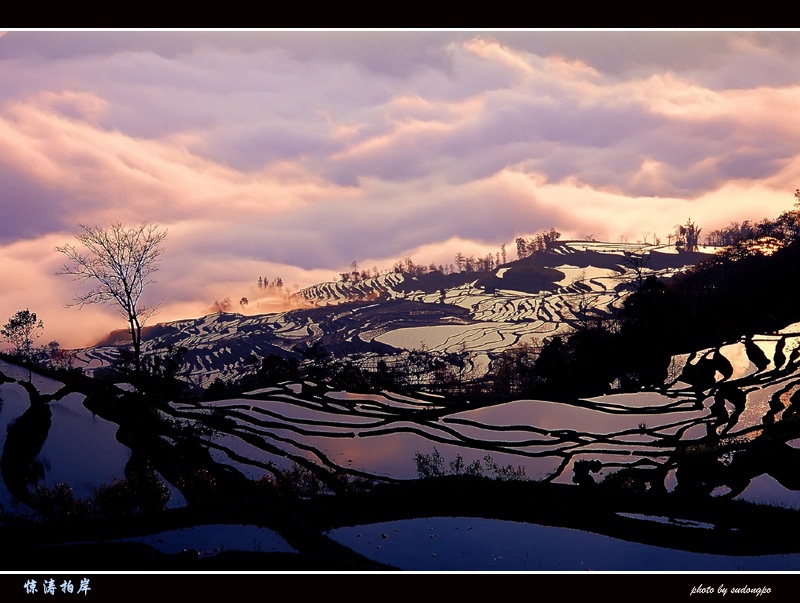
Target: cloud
[{"x": 295, "y": 153}]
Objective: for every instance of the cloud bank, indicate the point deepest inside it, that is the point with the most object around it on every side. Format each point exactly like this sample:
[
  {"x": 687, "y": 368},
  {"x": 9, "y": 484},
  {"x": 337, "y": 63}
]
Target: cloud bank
[{"x": 294, "y": 153}]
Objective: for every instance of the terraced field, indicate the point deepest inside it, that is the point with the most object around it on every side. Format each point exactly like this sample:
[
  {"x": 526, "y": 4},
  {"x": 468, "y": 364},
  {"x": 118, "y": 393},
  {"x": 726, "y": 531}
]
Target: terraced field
[
  {"x": 723, "y": 427},
  {"x": 479, "y": 314},
  {"x": 738, "y": 391},
  {"x": 745, "y": 393}
]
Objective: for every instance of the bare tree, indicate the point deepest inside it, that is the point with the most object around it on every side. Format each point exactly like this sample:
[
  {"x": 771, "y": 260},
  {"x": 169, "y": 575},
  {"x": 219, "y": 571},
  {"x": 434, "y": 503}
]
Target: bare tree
[
  {"x": 586, "y": 301},
  {"x": 638, "y": 262},
  {"x": 119, "y": 260}
]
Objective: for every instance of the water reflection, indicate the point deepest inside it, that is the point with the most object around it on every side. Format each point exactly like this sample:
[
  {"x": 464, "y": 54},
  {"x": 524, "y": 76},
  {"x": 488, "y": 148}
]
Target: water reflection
[
  {"x": 705, "y": 431},
  {"x": 83, "y": 463},
  {"x": 47, "y": 440},
  {"x": 717, "y": 427},
  {"x": 475, "y": 544}
]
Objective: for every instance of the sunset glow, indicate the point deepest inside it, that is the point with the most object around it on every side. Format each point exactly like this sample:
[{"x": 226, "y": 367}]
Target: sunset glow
[{"x": 292, "y": 154}]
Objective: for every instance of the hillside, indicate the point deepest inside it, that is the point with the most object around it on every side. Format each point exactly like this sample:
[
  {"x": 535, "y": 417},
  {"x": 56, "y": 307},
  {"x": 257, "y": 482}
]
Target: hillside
[
  {"x": 472, "y": 313},
  {"x": 676, "y": 467},
  {"x": 688, "y": 464}
]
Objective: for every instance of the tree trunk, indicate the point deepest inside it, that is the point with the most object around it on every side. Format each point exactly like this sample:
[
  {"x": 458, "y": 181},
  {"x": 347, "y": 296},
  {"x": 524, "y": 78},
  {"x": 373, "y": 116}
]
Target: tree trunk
[{"x": 136, "y": 338}]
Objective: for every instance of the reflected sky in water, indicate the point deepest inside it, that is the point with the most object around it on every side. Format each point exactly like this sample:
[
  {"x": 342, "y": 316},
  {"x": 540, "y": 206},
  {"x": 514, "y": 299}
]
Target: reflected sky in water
[{"x": 473, "y": 544}]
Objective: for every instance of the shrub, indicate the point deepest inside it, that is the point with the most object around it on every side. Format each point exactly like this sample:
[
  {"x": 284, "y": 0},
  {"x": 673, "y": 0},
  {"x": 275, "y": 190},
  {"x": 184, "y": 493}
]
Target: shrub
[
  {"x": 507, "y": 473},
  {"x": 299, "y": 481},
  {"x": 143, "y": 492},
  {"x": 429, "y": 465},
  {"x": 432, "y": 465},
  {"x": 457, "y": 467},
  {"x": 58, "y": 502}
]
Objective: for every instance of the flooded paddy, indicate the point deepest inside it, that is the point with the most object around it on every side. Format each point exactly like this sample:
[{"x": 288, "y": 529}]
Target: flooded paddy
[
  {"x": 478, "y": 544},
  {"x": 721, "y": 442}
]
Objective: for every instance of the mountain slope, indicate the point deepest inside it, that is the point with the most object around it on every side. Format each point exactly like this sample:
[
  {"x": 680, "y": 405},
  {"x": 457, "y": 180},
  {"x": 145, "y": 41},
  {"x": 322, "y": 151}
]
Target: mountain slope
[{"x": 477, "y": 314}]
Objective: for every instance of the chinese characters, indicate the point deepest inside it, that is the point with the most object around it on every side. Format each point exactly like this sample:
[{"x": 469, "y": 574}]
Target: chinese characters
[{"x": 49, "y": 587}]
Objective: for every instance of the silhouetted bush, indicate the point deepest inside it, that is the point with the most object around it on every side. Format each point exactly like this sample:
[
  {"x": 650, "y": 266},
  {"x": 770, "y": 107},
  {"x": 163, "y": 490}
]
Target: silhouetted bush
[
  {"x": 58, "y": 502},
  {"x": 275, "y": 369},
  {"x": 143, "y": 492},
  {"x": 432, "y": 465},
  {"x": 429, "y": 465},
  {"x": 298, "y": 481}
]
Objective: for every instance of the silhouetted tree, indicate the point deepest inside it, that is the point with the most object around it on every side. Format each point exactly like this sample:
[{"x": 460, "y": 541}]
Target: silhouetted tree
[
  {"x": 119, "y": 260},
  {"x": 275, "y": 369},
  {"x": 460, "y": 260},
  {"x": 585, "y": 303},
  {"x": 317, "y": 361},
  {"x": 590, "y": 353},
  {"x": 637, "y": 261},
  {"x": 540, "y": 242},
  {"x": 687, "y": 235},
  {"x": 550, "y": 237},
  {"x": 59, "y": 358},
  {"x": 21, "y": 331},
  {"x": 512, "y": 370},
  {"x": 469, "y": 264},
  {"x": 160, "y": 371},
  {"x": 522, "y": 248},
  {"x": 223, "y": 306}
]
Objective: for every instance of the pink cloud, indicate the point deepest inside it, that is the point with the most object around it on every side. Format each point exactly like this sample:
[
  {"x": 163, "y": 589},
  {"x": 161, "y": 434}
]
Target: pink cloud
[{"x": 293, "y": 156}]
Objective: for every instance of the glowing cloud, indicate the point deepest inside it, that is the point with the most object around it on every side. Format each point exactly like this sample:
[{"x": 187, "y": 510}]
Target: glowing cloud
[{"x": 294, "y": 153}]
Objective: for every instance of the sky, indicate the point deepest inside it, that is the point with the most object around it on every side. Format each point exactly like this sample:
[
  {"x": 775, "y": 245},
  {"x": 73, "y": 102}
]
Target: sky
[{"x": 295, "y": 153}]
